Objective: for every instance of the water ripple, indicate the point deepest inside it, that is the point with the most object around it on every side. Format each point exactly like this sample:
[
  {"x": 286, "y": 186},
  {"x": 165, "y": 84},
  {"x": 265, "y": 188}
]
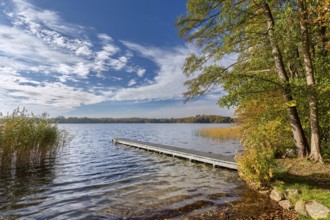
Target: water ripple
[{"x": 93, "y": 179}]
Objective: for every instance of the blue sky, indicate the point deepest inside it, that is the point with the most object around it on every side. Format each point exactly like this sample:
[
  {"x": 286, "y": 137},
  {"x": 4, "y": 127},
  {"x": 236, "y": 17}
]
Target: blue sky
[{"x": 104, "y": 58}]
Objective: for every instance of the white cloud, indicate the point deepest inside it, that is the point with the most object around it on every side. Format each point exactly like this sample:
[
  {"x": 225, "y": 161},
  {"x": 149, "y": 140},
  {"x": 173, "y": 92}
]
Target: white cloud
[
  {"x": 53, "y": 42},
  {"x": 33, "y": 94},
  {"x": 45, "y": 64},
  {"x": 117, "y": 64},
  {"x": 35, "y": 51},
  {"x": 132, "y": 82},
  {"x": 39, "y": 43},
  {"x": 104, "y": 37},
  {"x": 168, "y": 84},
  {"x": 26, "y": 13},
  {"x": 140, "y": 72}
]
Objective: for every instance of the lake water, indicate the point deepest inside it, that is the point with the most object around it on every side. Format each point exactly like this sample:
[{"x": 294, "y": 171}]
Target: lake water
[{"x": 93, "y": 179}]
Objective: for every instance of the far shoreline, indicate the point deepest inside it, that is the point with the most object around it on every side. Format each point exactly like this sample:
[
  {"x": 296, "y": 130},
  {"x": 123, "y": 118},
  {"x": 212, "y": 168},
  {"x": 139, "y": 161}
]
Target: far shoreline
[{"x": 198, "y": 119}]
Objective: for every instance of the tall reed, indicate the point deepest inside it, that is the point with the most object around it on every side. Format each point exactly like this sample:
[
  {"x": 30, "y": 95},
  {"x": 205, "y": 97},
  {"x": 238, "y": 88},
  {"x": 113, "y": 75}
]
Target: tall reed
[
  {"x": 222, "y": 133},
  {"x": 27, "y": 139}
]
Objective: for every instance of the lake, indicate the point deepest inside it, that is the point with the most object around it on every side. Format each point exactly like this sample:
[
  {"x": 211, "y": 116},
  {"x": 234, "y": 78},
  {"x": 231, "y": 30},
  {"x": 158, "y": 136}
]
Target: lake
[{"x": 93, "y": 179}]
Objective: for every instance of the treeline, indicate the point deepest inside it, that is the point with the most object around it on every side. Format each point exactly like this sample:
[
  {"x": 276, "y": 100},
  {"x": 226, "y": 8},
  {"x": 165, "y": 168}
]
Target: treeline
[{"x": 192, "y": 119}]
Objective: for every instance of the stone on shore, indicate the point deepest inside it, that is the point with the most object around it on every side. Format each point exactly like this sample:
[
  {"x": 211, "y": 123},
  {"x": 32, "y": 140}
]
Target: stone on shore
[
  {"x": 285, "y": 204},
  {"x": 276, "y": 195},
  {"x": 291, "y": 193},
  {"x": 316, "y": 210},
  {"x": 300, "y": 207}
]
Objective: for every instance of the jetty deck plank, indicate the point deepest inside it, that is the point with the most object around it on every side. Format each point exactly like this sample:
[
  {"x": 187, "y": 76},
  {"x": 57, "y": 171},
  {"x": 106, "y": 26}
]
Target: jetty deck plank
[{"x": 217, "y": 160}]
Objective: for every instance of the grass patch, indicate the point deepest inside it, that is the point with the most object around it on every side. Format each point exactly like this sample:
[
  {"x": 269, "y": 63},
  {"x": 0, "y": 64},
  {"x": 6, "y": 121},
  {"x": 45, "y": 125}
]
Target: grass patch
[
  {"x": 311, "y": 179},
  {"x": 26, "y": 139},
  {"x": 221, "y": 133}
]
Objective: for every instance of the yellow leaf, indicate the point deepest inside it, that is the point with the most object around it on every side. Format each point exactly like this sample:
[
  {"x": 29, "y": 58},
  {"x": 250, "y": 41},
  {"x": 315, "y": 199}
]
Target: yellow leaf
[{"x": 291, "y": 103}]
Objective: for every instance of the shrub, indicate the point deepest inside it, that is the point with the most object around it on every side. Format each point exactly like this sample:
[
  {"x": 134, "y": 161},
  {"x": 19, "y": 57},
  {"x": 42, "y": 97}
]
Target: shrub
[
  {"x": 26, "y": 139},
  {"x": 265, "y": 134},
  {"x": 255, "y": 165}
]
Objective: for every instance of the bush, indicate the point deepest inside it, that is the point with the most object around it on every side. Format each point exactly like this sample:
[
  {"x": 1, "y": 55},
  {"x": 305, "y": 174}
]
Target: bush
[
  {"x": 265, "y": 134},
  {"x": 255, "y": 165},
  {"x": 26, "y": 139}
]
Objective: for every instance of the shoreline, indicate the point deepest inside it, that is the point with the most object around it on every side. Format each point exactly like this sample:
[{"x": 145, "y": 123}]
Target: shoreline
[{"x": 251, "y": 205}]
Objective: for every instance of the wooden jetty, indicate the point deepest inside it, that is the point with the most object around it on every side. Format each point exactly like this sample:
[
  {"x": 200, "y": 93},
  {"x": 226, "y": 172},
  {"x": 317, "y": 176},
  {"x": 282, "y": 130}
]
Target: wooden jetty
[{"x": 216, "y": 160}]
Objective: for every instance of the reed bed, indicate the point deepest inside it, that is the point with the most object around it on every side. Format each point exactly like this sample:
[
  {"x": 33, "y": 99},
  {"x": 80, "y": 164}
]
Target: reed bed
[
  {"x": 221, "y": 133},
  {"x": 26, "y": 140}
]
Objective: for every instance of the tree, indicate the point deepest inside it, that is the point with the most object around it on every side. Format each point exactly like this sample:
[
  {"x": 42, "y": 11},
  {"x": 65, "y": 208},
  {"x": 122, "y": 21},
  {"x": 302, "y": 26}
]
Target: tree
[
  {"x": 315, "y": 153},
  {"x": 298, "y": 133},
  {"x": 241, "y": 27}
]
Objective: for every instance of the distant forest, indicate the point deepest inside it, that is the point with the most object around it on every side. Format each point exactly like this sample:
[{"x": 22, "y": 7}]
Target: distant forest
[{"x": 192, "y": 119}]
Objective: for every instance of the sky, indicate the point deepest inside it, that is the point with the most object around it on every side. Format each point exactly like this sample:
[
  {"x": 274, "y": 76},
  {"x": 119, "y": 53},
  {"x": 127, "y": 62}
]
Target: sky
[{"x": 101, "y": 58}]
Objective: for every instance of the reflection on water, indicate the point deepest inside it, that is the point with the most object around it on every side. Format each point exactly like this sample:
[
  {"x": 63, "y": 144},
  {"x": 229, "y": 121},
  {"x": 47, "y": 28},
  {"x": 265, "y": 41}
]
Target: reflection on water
[
  {"x": 22, "y": 188},
  {"x": 93, "y": 178}
]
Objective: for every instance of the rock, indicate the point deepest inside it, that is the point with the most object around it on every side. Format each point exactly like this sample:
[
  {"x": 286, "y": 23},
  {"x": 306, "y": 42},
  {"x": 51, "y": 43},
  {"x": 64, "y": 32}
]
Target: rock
[
  {"x": 285, "y": 204},
  {"x": 300, "y": 207},
  {"x": 276, "y": 195},
  {"x": 316, "y": 210},
  {"x": 291, "y": 193}
]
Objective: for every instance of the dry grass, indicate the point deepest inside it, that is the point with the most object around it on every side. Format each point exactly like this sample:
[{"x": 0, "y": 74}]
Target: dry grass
[{"x": 222, "y": 133}]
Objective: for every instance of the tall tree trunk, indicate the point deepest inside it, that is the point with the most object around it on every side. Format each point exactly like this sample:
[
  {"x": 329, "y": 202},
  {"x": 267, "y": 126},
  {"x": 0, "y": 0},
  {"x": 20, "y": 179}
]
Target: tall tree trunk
[
  {"x": 315, "y": 153},
  {"x": 298, "y": 133}
]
